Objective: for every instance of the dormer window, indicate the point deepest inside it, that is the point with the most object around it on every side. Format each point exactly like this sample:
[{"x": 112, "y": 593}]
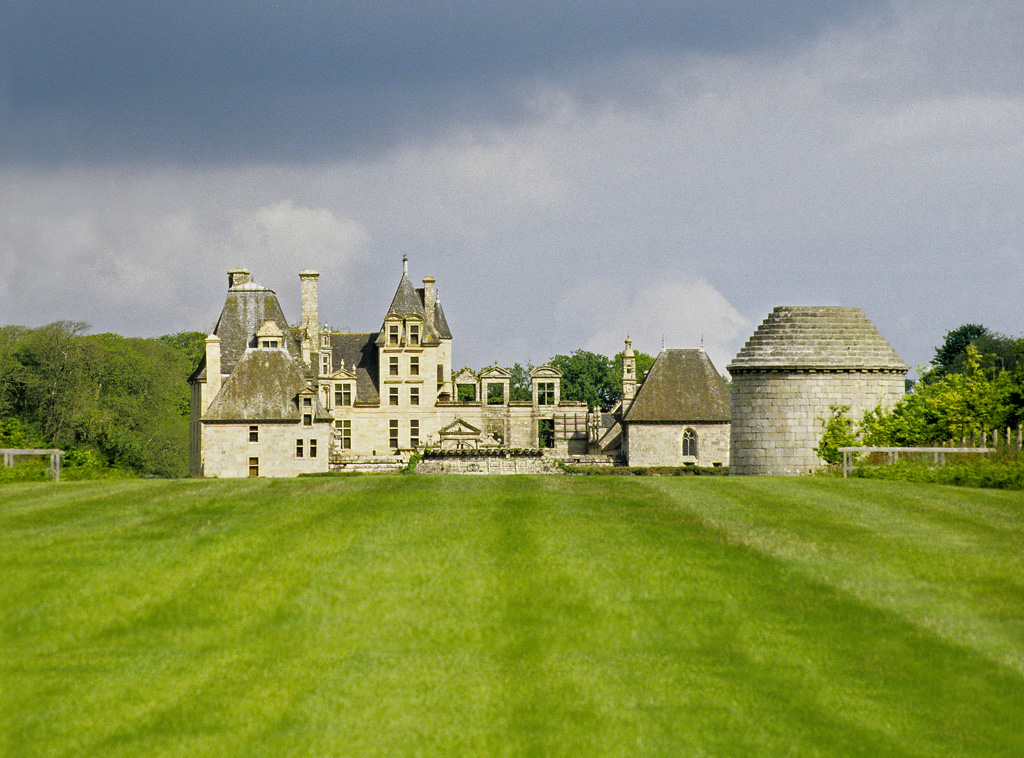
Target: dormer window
[
  {"x": 393, "y": 335},
  {"x": 414, "y": 334},
  {"x": 545, "y": 393},
  {"x": 268, "y": 343}
]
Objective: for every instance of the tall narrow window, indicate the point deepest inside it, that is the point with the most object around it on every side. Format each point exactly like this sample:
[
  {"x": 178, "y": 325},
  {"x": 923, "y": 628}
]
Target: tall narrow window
[
  {"x": 440, "y": 377},
  {"x": 343, "y": 394},
  {"x": 393, "y": 365},
  {"x": 345, "y": 425},
  {"x": 393, "y": 433},
  {"x": 254, "y": 466},
  {"x": 298, "y": 448},
  {"x": 690, "y": 443},
  {"x": 414, "y": 396},
  {"x": 393, "y": 334},
  {"x": 414, "y": 433},
  {"x": 312, "y": 448},
  {"x": 414, "y": 365},
  {"x": 254, "y": 434},
  {"x": 545, "y": 393},
  {"x": 325, "y": 364},
  {"x": 392, "y": 395},
  {"x": 307, "y": 419},
  {"x": 414, "y": 334}
]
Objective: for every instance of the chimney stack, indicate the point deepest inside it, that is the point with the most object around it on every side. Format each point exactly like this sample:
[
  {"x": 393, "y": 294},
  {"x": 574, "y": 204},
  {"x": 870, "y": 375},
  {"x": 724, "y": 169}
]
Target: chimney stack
[
  {"x": 238, "y": 276},
  {"x": 310, "y": 302},
  {"x": 428, "y": 302},
  {"x": 213, "y": 376}
]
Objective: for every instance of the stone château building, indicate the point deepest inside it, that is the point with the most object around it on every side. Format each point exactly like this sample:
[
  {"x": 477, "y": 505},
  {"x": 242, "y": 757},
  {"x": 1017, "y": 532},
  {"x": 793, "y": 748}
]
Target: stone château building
[{"x": 270, "y": 399}]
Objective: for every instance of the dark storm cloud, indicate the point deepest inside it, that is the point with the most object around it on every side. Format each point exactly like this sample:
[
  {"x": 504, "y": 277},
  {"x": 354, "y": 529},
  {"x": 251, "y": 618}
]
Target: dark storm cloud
[{"x": 302, "y": 79}]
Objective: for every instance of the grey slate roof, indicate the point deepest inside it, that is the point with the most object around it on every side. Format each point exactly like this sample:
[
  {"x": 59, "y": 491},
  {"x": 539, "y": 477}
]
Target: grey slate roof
[
  {"x": 359, "y": 354},
  {"x": 682, "y": 386},
  {"x": 409, "y": 301},
  {"x": 264, "y": 386},
  {"x": 246, "y": 308},
  {"x": 817, "y": 337}
]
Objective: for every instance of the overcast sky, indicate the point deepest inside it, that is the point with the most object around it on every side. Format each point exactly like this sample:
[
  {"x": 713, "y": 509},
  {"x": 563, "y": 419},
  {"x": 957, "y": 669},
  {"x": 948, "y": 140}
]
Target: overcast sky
[{"x": 568, "y": 172}]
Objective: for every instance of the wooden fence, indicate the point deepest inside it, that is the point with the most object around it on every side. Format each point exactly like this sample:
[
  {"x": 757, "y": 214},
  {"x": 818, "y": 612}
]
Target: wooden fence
[{"x": 55, "y": 456}]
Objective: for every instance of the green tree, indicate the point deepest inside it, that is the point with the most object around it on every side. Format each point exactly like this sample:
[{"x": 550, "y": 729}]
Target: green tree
[
  {"x": 588, "y": 377},
  {"x": 837, "y": 432},
  {"x": 520, "y": 385}
]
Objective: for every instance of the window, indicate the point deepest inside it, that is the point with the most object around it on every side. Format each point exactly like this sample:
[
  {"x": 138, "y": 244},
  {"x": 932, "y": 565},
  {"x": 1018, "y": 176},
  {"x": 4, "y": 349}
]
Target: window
[
  {"x": 307, "y": 419},
  {"x": 298, "y": 448},
  {"x": 495, "y": 393},
  {"x": 690, "y": 443},
  {"x": 414, "y": 334},
  {"x": 254, "y": 467},
  {"x": 343, "y": 394},
  {"x": 545, "y": 393},
  {"x": 268, "y": 343},
  {"x": 393, "y": 365},
  {"x": 312, "y": 448},
  {"x": 465, "y": 393},
  {"x": 414, "y": 365},
  {"x": 345, "y": 425},
  {"x": 254, "y": 434},
  {"x": 392, "y": 395},
  {"x": 325, "y": 364},
  {"x": 393, "y": 433},
  {"x": 414, "y": 396},
  {"x": 414, "y": 433},
  {"x": 393, "y": 334},
  {"x": 440, "y": 377},
  {"x": 307, "y": 402},
  {"x": 546, "y": 432}
]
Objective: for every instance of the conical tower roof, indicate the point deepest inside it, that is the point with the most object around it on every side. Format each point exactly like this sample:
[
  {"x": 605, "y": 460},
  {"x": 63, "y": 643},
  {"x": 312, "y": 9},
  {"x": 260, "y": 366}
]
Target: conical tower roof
[{"x": 825, "y": 338}]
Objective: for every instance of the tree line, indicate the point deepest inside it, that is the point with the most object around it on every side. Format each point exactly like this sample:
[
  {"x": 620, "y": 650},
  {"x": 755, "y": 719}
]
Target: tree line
[
  {"x": 108, "y": 400},
  {"x": 973, "y": 386}
]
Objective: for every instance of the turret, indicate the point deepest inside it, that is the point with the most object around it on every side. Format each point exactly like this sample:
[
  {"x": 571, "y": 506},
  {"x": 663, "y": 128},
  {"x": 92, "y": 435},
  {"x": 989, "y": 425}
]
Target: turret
[{"x": 628, "y": 373}]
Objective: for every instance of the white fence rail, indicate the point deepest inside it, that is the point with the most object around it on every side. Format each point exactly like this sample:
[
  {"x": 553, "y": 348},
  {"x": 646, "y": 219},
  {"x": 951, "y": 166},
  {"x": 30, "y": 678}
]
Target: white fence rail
[{"x": 938, "y": 453}]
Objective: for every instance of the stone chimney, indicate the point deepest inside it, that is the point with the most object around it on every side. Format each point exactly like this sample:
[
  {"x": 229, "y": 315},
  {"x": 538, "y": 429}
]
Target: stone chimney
[
  {"x": 428, "y": 302},
  {"x": 310, "y": 302},
  {"x": 213, "y": 376},
  {"x": 238, "y": 276}
]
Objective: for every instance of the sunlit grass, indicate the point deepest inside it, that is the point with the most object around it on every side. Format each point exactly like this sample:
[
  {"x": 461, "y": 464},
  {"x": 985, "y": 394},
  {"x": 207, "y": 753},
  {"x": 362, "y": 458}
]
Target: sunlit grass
[{"x": 441, "y": 616}]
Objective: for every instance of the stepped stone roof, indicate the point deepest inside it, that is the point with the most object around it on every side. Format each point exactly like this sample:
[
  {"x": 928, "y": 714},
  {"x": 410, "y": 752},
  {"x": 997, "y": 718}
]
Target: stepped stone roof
[
  {"x": 827, "y": 338},
  {"x": 264, "y": 386},
  {"x": 682, "y": 386}
]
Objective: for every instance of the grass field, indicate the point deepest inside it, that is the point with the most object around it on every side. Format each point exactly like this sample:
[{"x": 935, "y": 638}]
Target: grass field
[{"x": 511, "y": 616}]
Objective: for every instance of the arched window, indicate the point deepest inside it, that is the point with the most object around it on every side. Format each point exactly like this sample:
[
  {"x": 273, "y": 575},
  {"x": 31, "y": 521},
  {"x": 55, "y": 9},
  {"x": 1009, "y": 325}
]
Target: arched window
[{"x": 690, "y": 443}]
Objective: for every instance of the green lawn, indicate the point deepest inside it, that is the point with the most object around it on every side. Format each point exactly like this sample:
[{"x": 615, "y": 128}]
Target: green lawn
[{"x": 542, "y": 616}]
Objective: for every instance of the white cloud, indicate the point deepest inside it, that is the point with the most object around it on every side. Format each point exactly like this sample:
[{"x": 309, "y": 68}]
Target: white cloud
[{"x": 686, "y": 313}]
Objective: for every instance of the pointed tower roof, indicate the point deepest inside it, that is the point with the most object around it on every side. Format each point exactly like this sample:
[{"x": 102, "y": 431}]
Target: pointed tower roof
[{"x": 406, "y": 302}]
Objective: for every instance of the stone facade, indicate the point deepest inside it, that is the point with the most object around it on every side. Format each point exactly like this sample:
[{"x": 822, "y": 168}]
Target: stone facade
[
  {"x": 649, "y": 444},
  {"x": 800, "y": 361}
]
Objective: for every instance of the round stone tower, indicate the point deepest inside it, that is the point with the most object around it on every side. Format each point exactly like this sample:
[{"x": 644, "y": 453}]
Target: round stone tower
[{"x": 801, "y": 360}]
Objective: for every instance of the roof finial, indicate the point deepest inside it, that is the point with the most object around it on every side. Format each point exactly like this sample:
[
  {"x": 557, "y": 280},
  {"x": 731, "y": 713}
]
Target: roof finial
[
  {"x": 405, "y": 264},
  {"x": 663, "y": 342},
  {"x": 702, "y": 343}
]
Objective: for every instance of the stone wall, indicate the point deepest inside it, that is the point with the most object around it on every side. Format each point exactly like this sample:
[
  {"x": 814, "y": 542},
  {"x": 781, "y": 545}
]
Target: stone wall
[
  {"x": 651, "y": 444},
  {"x": 513, "y": 464},
  {"x": 227, "y": 449},
  {"x": 776, "y": 415}
]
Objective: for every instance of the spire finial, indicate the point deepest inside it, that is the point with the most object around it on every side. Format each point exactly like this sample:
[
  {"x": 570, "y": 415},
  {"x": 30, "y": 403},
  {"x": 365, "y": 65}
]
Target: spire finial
[
  {"x": 405, "y": 264},
  {"x": 663, "y": 342}
]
